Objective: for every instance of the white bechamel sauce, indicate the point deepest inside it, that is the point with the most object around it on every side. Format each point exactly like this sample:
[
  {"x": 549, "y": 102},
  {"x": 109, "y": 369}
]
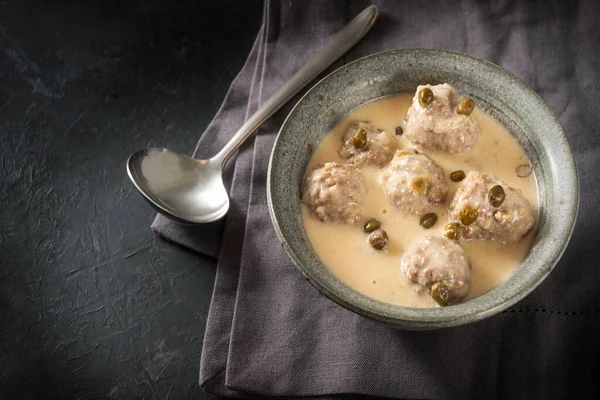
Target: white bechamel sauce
[{"x": 344, "y": 249}]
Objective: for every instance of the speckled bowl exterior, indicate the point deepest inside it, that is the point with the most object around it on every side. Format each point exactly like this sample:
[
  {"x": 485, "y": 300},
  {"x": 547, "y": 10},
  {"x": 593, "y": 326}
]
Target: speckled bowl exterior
[{"x": 495, "y": 90}]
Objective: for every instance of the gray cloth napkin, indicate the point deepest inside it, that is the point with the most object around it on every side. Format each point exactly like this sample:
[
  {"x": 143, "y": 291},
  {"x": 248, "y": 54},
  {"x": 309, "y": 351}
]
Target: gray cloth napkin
[{"x": 270, "y": 333}]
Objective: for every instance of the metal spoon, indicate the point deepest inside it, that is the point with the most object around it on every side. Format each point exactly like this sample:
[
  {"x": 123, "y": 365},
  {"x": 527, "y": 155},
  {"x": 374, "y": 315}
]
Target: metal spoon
[{"x": 192, "y": 191}]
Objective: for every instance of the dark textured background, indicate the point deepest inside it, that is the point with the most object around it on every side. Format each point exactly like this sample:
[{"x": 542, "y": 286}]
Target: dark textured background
[{"x": 92, "y": 303}]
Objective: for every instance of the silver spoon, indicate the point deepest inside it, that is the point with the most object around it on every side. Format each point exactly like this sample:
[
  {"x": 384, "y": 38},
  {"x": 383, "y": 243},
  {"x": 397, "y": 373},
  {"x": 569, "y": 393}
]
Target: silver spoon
[{"x": 192, "y": 191}]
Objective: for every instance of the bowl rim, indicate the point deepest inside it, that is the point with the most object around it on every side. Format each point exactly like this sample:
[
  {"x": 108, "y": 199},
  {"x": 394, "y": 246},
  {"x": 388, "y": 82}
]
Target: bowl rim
[{"x": 437, "y": 317}]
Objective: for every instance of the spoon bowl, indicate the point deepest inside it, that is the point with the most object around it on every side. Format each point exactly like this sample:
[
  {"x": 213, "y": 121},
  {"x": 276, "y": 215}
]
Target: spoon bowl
[{"x": 182, "y": 188}]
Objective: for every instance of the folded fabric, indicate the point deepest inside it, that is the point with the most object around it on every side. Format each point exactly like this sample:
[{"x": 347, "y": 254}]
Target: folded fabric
[{"x": 270, "y": 333}]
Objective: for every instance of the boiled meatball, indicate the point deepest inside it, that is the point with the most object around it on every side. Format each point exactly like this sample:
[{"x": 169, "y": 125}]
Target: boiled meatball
[
  {"x": 335, "y": 192},
  {"x": 437, "y": 259},
  {"x": 379, "y": 145},
  {"x": 506, "y": 223},
  {"x": 444, "y": 124},
  {"x": 413, "y": 182}
]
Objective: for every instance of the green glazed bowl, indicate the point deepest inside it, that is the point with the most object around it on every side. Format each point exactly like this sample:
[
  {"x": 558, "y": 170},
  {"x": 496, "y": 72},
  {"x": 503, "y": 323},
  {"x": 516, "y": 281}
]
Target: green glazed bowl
[{"x": 495, "y": 90}]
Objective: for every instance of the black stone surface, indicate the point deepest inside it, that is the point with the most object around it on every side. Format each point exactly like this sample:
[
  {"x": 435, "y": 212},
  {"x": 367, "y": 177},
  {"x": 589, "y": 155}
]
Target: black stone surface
[{"x": 92, "y": 304}]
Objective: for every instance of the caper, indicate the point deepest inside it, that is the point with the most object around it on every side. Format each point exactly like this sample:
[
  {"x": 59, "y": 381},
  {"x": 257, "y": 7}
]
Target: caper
[
  {"x": 425, "y": 97},
  {"x": 496, "y": 196},
  {"x": 465, "y": 106},
  {"x": 439, "y": 293},
  {"x": 371, "y": 225},
  {"x": 468, "y": 215},
  {"x": 421, "y": 185},
  {"x": 428, "y": 220},
  {"x": 399, "y": 130},
  {"x": 359, "y": 139},
  {"x": 379, "y": 239},
  {"x": 457, "y": 176},
  {"x": 453, "y": 230}
]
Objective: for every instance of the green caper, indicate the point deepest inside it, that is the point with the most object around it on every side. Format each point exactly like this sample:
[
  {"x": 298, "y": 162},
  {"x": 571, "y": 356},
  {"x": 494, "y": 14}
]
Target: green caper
[
  {"x": 425, "y": 97},
  {"x": 453, "y": 230},
  {"x": 439, "y": 293},
  {"x": 359, "y": 139},
  {"x": 421, "y": 185},
  {"x": 399, "y": 130},
  {"x": 468, "y": 215},
  {"x": 379, "y": 239},
  {"x": 465, "y": 106},
  {"x": 428, "y": 220},
  {"x": 496, "y": 196},
  {"x": 371, "y": 225},
  {"x": 457, "y": 176}
]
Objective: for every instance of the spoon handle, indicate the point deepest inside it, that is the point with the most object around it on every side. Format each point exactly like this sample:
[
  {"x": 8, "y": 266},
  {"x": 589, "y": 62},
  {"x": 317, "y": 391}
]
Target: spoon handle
[{"x": 338, "y": 45}]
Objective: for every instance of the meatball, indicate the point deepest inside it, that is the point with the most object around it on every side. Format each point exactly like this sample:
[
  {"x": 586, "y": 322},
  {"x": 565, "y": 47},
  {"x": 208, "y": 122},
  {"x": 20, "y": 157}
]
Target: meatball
[
  {"x": 379, "y": 146},
  {"x": 485, "y": 218},
  {"x": 335, "y": 192},
  {"x": 437, "y": 259},
  {"x": 444, "y": 124},
  {"x": 414, "y": 183}
]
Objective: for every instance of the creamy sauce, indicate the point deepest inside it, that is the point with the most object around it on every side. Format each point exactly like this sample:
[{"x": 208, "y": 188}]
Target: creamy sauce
[{"x": 344, "y": 249}]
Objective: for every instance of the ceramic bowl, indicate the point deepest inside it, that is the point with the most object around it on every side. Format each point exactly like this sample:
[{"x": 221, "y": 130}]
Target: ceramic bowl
[{"x": 495, "y": 90}]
